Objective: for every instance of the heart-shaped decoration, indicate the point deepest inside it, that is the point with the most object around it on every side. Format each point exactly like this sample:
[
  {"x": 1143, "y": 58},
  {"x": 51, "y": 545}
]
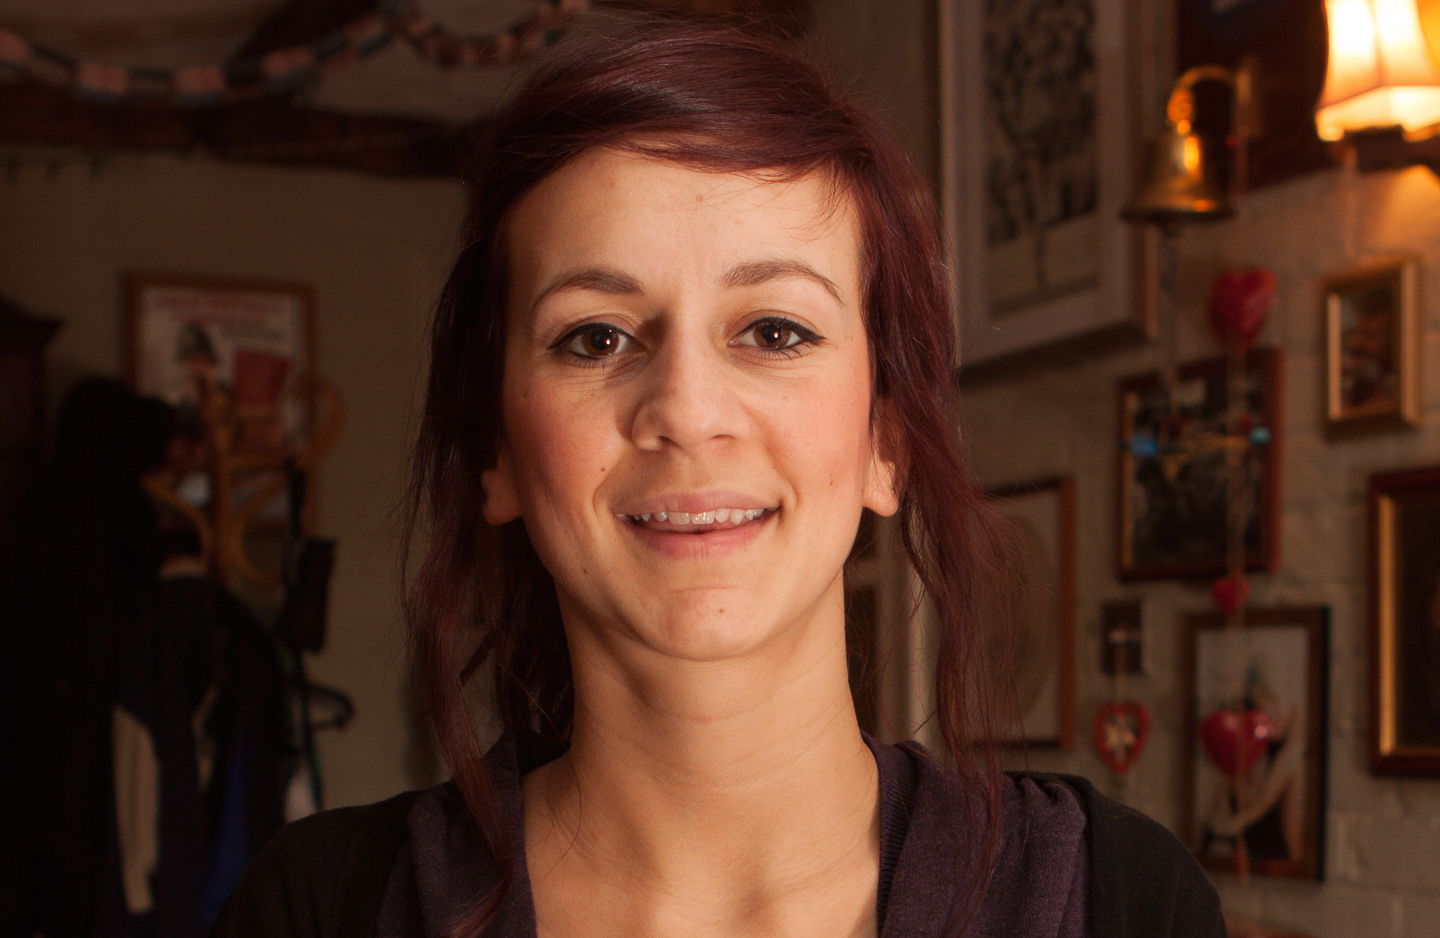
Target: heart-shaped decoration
[
  {"x": 1235, "y": 739},
  {"x": 1120, "y": 729},
  {"x": 1229, "y": 593},
  {"x": 1239, "y": 302}
]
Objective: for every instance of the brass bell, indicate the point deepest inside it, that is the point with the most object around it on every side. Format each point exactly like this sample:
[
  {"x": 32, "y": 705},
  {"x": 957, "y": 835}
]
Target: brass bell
[{"x": 1180, "y": 184}]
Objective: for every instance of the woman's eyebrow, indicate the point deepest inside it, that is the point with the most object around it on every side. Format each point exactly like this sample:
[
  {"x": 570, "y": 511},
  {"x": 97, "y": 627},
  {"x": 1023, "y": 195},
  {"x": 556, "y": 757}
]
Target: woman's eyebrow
[
  {"x": 754, "y": 273},
  {"x": 746, "y": 274},
  {"x": 598, "y": 279}
]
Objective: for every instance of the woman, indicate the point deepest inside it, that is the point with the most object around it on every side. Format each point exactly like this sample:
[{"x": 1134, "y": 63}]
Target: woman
[{"x": 700, "y": 325}]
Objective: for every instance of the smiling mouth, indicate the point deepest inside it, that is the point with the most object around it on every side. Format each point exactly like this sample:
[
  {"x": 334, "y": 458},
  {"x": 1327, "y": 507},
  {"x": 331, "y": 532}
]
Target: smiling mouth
[{"x": 699, "y": 522}]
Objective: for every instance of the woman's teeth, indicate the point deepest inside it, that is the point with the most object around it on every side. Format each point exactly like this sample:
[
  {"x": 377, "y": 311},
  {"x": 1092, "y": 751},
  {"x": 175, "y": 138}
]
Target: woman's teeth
[{"x": 727, "y": 517}]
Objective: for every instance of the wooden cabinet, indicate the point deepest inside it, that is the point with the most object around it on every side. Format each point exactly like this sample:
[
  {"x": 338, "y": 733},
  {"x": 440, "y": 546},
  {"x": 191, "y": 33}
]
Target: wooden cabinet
[{"x": 23, "y": 337}]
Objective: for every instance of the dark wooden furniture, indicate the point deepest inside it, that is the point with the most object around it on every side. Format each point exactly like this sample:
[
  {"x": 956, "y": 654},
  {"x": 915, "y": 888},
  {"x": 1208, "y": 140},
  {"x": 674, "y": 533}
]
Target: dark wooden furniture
[{"x": 23, "y": 337}]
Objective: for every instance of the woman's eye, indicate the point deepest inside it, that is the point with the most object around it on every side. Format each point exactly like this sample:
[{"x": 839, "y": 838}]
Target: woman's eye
[
  {"x": 594, "y": 340},
  {"x": 772, "y": 334}
]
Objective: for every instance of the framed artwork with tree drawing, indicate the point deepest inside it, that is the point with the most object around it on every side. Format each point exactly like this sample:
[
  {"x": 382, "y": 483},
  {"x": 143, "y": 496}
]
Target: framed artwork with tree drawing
[{"x": 1039, "y": 100}]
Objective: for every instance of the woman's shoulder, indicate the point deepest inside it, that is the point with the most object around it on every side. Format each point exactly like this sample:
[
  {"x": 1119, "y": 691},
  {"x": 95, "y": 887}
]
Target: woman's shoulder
[
  {"x": 1112, "y": 826},
  {"x": 321, "y": 875},
  {"x": 1142, "y": 879},
  {"x": 1138, "y": 877}
]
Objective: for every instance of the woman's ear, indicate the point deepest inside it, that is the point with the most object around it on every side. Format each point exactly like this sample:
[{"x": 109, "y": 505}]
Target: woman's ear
[
  {"x": 886, "y": 469},
  {"x": 502, "y": 505}
]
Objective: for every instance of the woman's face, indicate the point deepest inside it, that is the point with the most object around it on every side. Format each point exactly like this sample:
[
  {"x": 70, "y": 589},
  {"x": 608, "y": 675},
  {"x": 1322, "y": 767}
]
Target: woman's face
[{"x": 687, "y": 402}]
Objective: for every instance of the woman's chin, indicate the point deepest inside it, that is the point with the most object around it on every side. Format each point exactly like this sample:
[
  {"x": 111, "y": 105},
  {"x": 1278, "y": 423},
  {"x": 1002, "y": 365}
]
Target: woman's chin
[
  {"x": 671, "y": 625},
  {"x": 708, "y": 632},
  {"x": 698, "y": 629}
]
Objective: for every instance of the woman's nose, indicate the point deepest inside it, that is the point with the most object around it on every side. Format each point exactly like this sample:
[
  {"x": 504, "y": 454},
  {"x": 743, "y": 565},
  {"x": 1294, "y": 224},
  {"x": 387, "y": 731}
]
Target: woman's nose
[{"x": 687, "y": 397}]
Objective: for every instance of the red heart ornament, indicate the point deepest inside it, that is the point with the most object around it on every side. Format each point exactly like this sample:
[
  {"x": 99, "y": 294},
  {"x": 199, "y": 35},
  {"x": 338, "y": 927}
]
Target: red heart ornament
[
  {"x": 1235, "y": 739},
  {"x": 1229, "y": 593},
  {"x": 1120, "y": 730},
  {"x": 1239, "y": 302}
]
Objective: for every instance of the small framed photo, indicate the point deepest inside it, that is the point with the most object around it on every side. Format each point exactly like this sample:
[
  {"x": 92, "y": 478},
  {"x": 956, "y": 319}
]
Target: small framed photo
[
  {"x": 1256, "y": 747},
  {"x": 1173, "y": 498},
  {"x": 1405, "y": 622},
  {"x": 1122, "y": 637},
  {"x": 1036, "y": 708},
  {"x": 1371, "y": 347},
  {"x": 190, "y": 336}
]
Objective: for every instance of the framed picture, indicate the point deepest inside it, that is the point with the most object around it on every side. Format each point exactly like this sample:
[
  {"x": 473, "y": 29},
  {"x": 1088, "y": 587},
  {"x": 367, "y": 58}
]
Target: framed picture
[
  {"x": 1037, "y": 523},
  {"x": 1405, "y": 622},
  {"x": 1371, "y": 345},
  {"x": 1039, "y": 101},
  {"x": 190, "y": 336},
  {"x": 1173, "y": 499},
  {"x": 1257, "y": 731}
]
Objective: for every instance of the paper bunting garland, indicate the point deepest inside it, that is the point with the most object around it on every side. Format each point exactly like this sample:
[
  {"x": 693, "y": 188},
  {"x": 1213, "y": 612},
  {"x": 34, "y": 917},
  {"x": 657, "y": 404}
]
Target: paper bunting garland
[{"x": 288, "y": 69}]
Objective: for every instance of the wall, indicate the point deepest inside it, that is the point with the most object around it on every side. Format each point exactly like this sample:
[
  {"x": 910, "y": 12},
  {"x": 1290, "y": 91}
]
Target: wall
[
  {"x": 375, "y": 252},
  {"x": 1383, "y": 834}
]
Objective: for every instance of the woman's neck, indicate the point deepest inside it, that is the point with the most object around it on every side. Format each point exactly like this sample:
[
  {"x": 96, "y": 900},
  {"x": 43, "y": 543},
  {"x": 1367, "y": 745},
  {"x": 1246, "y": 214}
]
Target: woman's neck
[{"x": 739, "y": 793}]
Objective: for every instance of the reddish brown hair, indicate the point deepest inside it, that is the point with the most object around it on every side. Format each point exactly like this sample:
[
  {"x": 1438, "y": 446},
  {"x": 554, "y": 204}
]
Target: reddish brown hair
[{"x": 716, "y": 99}]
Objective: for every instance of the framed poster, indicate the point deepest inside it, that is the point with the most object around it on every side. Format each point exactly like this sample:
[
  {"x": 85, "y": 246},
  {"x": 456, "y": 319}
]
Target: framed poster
[
  {"x": 1405, "y": 622},
  {"x": 1256, "y": 741},
  {"x": 1371, "y": 344},
  {"x": 1037, "y": 525},
  {"x": 1173, "y": 499},
  {"x": 1039, "y": 143},
  {"x": 191, "y": 336}
]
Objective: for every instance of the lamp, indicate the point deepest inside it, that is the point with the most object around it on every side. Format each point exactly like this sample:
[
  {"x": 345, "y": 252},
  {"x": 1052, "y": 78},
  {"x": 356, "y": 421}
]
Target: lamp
[{"x": 1382, "y": 82}]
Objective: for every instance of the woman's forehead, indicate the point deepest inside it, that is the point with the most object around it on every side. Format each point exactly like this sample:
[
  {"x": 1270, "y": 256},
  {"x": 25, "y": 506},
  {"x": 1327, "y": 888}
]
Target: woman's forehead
[{"x": 614, "y": 209}]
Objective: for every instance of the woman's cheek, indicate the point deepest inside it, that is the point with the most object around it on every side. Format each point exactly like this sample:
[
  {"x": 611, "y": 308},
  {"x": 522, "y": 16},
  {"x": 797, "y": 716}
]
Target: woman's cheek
[{"x": 567, "y": 445}]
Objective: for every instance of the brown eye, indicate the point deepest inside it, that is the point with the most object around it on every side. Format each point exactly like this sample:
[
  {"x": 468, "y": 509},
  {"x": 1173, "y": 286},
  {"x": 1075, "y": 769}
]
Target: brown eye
[
  {"x": 602, "y": 340},
  {"x": 596, "y": 340},
  {"x": 771, "y": 334},
  {"x": 776, "y": 334}
]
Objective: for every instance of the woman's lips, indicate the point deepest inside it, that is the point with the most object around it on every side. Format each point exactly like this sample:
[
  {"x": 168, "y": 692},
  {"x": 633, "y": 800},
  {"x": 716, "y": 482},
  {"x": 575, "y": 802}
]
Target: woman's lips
[
  {"x": 698, "y": 521},
  {"x": 685, "y": 537}
]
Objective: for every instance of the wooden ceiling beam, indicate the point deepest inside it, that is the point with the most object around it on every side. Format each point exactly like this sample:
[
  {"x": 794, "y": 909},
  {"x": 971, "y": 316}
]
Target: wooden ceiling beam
[
  {"x": 786, "y": 19},
  {"x": 266, "y": 130}
]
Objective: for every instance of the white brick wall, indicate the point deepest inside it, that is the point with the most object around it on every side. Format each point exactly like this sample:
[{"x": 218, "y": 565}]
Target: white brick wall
[{"x": 1383, "y": 835}]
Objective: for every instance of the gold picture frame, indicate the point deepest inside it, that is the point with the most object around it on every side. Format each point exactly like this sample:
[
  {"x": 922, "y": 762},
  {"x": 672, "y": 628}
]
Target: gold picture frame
[
  {"x": 1405, "y": 622},
  {"x": 1372, "y": 379}
]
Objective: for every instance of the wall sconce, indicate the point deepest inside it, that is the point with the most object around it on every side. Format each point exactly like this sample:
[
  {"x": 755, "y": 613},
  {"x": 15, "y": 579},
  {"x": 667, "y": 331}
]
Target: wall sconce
[
  {"x": 1181, "y": 183},
  {"x": 1382, "y": 83}
]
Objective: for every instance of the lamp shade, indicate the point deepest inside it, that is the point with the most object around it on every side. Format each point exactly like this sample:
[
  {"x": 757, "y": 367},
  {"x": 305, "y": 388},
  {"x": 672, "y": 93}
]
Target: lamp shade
[{"x": 1382, "y": 71}]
